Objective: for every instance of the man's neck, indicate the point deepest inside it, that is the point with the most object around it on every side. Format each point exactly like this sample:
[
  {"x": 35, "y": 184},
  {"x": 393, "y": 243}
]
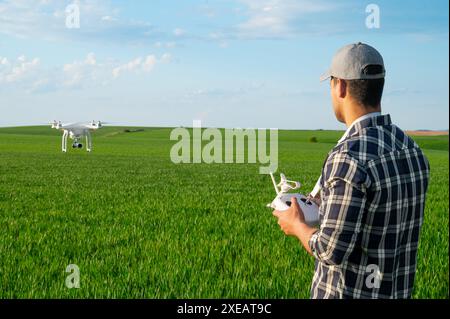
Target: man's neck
[{"x": 357, "y": 112}]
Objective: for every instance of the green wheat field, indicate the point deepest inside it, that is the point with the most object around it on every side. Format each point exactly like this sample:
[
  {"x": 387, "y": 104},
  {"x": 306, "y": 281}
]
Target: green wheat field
[{"x": 139, "y": 226}]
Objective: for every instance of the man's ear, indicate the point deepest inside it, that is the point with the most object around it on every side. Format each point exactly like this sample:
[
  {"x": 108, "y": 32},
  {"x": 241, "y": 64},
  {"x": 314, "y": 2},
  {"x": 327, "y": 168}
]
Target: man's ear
[{"x": 342, "y": 88}]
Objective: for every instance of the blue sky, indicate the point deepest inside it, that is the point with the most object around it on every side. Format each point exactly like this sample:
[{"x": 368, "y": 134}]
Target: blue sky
[{"x": 242, "y": 63}]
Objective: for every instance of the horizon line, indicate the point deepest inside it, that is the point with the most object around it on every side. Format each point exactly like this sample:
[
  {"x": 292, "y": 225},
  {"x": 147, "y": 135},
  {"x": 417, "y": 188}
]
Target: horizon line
[{"x": 205, "y": 127}]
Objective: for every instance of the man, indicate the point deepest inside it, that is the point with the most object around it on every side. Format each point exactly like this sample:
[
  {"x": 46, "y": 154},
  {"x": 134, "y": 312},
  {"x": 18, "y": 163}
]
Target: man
[{"x": 372, "y": 192}]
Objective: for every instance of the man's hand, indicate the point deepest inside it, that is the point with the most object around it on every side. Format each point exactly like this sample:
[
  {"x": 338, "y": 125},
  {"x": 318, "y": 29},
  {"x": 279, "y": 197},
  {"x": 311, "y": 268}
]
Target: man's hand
[
  {"x": 292, "y": 223},
  {"x": 316, "y": 200},
  {"x": 290, "y": 220}
]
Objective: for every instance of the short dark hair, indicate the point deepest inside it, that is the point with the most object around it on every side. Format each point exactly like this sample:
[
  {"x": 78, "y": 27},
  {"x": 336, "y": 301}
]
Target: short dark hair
[{"x": 366, "y": 92}]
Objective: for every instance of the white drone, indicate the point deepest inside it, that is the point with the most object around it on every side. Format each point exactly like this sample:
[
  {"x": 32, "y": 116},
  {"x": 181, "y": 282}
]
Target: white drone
[{"x": 77, "y": 131}]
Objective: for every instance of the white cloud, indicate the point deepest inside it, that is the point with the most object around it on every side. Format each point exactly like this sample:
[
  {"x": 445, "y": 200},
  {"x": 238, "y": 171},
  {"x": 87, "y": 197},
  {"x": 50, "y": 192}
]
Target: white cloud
[
  {"x": 276, "y": 18},
  {"x": 4, "y": 61},
  {"x": 220, "y": 38},
  {"x": 223, "y": 44},
  {"x": 179, "y": 32},
  {"x": 18, "y": 70},
  {"x": 46, "y": 19},
  {"x": 30, "y": 76},
  {"x": 207, "y": 10},
  {"x": 166, "y": 58},
  {"x": 81, "y": 71},
  {"x": 149, "y": 63},
  {"x": 90, "y": 59},
  {"x": 108, "y": 18},
  {"x": 140, "y": 64},
  {"x": 130, "y": 66}
]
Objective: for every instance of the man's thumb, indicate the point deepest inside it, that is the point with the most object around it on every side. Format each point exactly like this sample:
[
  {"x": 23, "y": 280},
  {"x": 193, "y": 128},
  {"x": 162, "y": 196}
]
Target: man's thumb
[{"x": 294, "y": 202}]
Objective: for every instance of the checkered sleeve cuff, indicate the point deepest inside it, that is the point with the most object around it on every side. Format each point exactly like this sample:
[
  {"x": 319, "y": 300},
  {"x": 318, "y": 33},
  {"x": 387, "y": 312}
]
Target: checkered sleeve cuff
[{"x": 313, "y": 242}]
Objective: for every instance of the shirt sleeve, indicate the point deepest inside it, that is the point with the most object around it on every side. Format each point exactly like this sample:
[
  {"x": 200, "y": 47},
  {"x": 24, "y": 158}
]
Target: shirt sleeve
[{"x": 345, "y": 183}]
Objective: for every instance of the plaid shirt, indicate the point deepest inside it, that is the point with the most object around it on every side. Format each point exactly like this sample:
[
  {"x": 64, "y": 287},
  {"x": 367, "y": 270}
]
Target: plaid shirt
[{"x": 373, "y": 190}]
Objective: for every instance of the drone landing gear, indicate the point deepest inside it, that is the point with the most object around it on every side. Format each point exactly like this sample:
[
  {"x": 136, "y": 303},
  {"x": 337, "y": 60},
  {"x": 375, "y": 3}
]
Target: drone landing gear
[
  {"x": 64, "y": 141},
  {"x": 76, "y": 144}
]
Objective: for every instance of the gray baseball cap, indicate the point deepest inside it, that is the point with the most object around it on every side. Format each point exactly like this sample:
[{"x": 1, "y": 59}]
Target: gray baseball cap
[{"x": 356, "y": 61}]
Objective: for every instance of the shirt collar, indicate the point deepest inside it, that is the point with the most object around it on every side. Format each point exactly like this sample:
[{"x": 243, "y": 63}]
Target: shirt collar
[
  {"x": 367, "y": 120},
  {"x": 353, "y": 126}
]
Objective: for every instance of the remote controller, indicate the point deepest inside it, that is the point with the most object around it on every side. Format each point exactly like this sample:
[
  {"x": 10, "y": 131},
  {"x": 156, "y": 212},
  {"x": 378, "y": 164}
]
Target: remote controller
[{"x": 283, "y": 200}]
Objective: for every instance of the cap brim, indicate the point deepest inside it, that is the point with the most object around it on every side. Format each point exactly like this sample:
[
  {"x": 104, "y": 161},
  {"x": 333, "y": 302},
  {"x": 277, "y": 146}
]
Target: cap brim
[{"x": 325, "y": 76}]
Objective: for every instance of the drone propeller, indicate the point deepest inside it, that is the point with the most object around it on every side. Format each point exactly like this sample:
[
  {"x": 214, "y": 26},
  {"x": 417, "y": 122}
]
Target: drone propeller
[
  {"x": 99, "y": 123},
  {"x": 55, "y": 124}
]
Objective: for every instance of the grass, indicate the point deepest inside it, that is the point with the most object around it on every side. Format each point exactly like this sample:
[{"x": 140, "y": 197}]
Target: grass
[{"x": 139, "y": 226}]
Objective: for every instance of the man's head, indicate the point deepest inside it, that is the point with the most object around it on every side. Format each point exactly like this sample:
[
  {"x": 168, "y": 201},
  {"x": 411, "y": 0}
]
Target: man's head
[{"x": 357, "y": 80}]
